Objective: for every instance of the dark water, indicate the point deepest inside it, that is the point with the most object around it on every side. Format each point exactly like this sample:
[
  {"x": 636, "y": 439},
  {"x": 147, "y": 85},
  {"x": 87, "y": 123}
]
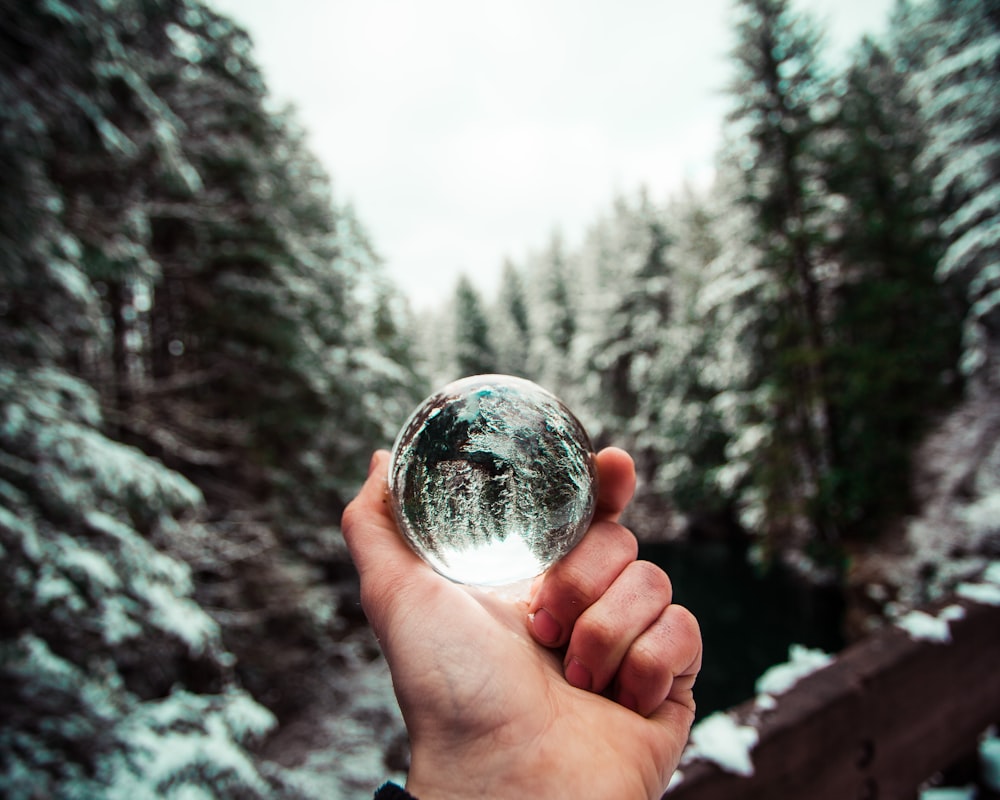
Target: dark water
[{"x": 748, "y": 617}]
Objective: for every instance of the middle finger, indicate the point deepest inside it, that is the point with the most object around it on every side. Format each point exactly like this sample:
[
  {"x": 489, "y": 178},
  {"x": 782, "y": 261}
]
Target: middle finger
[
  {"x": 605, "y": 631},
  {"x": 573, "y": 584}
]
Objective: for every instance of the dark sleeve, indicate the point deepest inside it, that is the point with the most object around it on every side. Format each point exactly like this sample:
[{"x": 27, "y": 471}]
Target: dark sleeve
[{"x": 390, "y": 791}]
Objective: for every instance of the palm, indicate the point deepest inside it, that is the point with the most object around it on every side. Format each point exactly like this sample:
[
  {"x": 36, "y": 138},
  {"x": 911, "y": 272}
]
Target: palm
[{"x": 482, "y": 680}]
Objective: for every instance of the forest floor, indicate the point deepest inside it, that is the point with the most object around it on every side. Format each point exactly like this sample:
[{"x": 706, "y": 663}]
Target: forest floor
[
  {"x": 957, "y": 530},
  {"x": 352, "y": 739}
]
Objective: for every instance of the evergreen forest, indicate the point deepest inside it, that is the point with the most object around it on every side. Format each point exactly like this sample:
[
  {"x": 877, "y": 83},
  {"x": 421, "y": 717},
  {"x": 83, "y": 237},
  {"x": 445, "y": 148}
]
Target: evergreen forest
[{"x": 200, "y": 347}]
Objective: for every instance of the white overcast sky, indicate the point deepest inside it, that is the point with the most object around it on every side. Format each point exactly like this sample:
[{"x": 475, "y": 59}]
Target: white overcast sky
[{"x": 466, "y": 132}]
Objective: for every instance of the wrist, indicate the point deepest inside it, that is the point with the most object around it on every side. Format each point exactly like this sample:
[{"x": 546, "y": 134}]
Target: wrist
[
  {"x": 458, "y": 774},
  {"x": 543, "y": 768}
]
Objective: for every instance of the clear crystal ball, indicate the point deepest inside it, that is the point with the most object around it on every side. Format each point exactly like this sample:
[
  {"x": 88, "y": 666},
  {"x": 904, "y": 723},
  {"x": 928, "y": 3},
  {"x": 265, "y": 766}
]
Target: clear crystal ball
[{"x": 492, "y": 480}]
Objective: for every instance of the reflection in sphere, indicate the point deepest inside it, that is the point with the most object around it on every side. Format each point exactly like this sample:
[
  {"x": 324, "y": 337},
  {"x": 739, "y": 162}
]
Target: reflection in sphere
[{"x": 492, "y": 480}]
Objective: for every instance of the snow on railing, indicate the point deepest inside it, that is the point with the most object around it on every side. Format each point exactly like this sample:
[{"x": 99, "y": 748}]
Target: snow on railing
[{"x": 876, "y": 721}]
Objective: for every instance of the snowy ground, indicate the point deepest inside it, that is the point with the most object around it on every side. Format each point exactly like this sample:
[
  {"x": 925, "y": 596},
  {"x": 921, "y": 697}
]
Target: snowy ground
[
  {"x": 957, "y": 532},
  {"x": 351, "y": 742}
]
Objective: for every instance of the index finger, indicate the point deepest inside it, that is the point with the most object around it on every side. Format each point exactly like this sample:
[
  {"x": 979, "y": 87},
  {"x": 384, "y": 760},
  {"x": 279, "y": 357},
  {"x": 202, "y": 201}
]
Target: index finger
[{"x": 615, "y": 483}]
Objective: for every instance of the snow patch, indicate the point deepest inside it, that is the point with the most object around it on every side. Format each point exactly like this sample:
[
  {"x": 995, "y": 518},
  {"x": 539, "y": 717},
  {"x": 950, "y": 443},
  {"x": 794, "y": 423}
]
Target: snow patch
[
  {"x": 923, "y": 626},
  {"x": 722, "y": 740},
  {"x": 781, "y": 677},
  {"x": 177, "y": 740},
  {"x": 765, "y": 702},
  {"x": 985, "y": 593},
  {"x": 948, "y": 793},
  {"x": 356, "y": 733},
  {"x": 183, "y": 618},
  {"x": 989, "y": 760},
  {"x": 245, "y": 718}
]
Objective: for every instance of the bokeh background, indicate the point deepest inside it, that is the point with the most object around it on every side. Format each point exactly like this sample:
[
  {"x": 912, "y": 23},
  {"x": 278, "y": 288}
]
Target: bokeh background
[{"x": 788, "y": 315}]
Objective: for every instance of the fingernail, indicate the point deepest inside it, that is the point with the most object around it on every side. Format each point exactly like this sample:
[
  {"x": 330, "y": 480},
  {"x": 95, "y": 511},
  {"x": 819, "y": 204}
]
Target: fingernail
[
  {"x": 578, "y": 675},
  {"x": 372, "y": 463},
  {"x": 546, "y": 628},
  {"x": 628, "y": 700}
]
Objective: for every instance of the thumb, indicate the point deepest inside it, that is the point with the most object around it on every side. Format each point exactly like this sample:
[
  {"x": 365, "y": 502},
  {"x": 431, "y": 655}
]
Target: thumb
[{"x": 383, "y": 559}]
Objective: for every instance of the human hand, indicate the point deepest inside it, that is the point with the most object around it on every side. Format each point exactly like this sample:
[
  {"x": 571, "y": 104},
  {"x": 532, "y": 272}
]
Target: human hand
[{"x": 584, "y": 689}]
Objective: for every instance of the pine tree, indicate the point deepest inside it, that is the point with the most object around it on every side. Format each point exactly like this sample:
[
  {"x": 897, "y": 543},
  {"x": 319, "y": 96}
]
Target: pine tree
[
  {"x": 895, "y": 330},
  {"x": 391, "y": 365},
  {"x": 192, "y": 365},
  {"x": 729, "y": 304},
  {"x": 116, "y": 683},
  {"x": 107, "y": 661},
  {"x": 512, "y": 325},
  {"x": 279, "y": 388},
  {"x": 475, "y": 354},
  {"x": 632, "y": 330},
  {"x": 779, "y": 93},
  {"x": 562, "y": 321},
  {"x": 952, "y": 53},
  {"x": 690, "y": 374},
  {"x": 552, "y": 280}
]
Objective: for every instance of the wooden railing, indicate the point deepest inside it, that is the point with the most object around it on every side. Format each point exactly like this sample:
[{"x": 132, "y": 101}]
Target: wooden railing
[{"x": 877, "y": 722}]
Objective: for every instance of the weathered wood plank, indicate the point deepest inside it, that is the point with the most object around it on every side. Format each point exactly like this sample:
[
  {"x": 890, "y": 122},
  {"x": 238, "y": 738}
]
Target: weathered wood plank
[{"x": 887, "y": 714}]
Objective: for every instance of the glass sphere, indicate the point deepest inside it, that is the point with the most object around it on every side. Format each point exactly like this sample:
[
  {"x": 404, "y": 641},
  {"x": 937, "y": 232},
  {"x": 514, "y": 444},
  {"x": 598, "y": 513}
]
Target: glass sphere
[{"x": 492, "y": 480}]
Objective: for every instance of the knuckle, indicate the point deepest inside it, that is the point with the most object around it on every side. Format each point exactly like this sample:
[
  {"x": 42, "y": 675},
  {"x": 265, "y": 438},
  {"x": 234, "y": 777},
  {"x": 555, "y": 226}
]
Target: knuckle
[
  {"x": 347, "y": 519},
  {"x": 575, "y": 583},
  {"x": 596, "y": 631},
  {"x": 651, "y": 580},
  {"x": 644, "y": 662},
  {"x": 571, "y": 588},
  {"x": 353, "y": 515},
  {"x": 621, "y": 538},
  {"x": 685, "y": 623},
  {"x": 579, "y": 584}
]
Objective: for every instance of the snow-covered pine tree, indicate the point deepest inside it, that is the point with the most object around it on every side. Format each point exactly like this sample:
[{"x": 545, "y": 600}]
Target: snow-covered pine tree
[
  {"x": 951, "y": 50},
  {"x": 629, "y": 336},
  {"x": 685, "y": 434},
  {"x": 392, "y": 368},
  {"x": 261, "y": 272},
  {"x": 554, "y": 298},
  {"x": 895, "y": 329},
  {"x": 779, "y": 92},
  {"x": 950, "y": 55},
  {"x": 511, "y": 324},
  {"x": 177, "y": 277},
  {"x": 474, "y": 350},
  {"x": 734, "y": 292},
  {"x": 275, "y": 386},
  {"x": 562, "y": 325},
  {"x": 116, "y": 684}
]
